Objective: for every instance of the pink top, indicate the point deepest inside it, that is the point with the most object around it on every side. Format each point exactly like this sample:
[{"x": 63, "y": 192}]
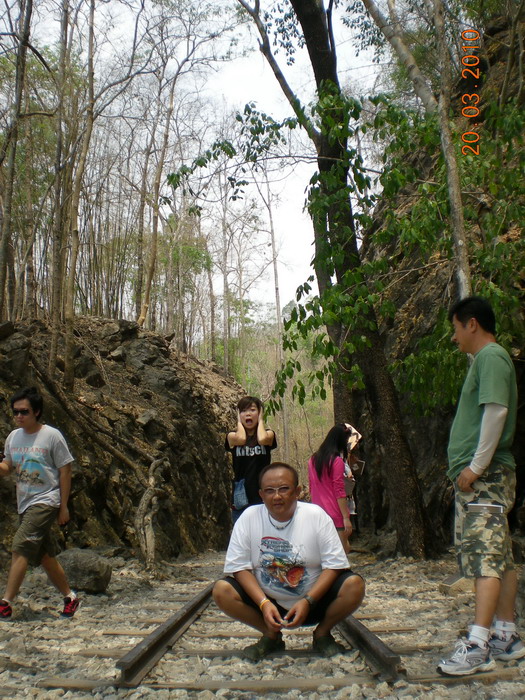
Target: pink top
[{"x": 325, "y": 492}]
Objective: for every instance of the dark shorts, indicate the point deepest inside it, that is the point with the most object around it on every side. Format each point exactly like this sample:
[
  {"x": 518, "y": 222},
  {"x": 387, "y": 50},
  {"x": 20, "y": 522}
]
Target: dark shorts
[
  {"x": 33, "y": 538},
  {"x": 316, "y": 613}
]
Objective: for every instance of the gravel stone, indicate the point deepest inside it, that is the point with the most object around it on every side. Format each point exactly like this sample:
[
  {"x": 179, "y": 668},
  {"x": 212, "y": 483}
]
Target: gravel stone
[{"x": 403, "y": 603}]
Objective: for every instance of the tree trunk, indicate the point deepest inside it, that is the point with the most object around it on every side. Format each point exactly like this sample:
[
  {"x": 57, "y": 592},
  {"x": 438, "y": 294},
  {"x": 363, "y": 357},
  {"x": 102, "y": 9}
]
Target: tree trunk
[
  {"x": 225, "y": 304},
  {"x": 388, "y": 28},
  {"x": 278, "y": 318},
  {"x": 7, "y": 204},
  {"x": 392, "y": 32},
  {"x": 463, "y": 281},
  {"x": 213, "y": 333},
  {"x": 58, "y": 218},
  {"x": 225, "y": 289},
  {"x": 338, "y": 229},
  {"x": 155, "y": 205},
  {"x": 69, "y": 368},
  {"x": 139, "y": 285},
  {"x": 334, "y": 230}
]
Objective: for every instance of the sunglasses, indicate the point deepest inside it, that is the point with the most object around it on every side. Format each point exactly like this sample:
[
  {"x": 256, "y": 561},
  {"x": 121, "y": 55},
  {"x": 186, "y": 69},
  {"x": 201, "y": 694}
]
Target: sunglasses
[{"x": 21, "y": 411}]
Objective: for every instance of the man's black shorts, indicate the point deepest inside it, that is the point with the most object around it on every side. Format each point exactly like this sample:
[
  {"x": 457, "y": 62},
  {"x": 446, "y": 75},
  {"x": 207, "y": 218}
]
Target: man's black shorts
[{"x": 316, "y": 613}]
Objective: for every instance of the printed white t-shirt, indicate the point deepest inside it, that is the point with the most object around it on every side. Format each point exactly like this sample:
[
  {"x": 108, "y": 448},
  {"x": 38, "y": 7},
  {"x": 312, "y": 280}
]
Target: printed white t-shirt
[
  {"x": 287, "y": 562},
  {"x": 36, "y": 458}
]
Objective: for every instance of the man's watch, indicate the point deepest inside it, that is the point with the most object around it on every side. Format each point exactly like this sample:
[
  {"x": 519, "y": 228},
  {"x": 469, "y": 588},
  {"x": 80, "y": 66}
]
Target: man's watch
[{"x": 311, "y": 601}]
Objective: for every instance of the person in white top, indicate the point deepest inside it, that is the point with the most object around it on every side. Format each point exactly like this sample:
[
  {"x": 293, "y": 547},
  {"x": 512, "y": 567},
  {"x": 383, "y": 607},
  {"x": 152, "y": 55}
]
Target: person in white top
[
  {"x": 40, "y": 458},
  {"x": 286, "y": 567}
]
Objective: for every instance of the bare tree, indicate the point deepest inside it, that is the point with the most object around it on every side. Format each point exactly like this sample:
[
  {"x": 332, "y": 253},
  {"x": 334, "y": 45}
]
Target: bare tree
[
  {"x": 392, "y": 30},
  {"x": 266, "y": 197},
  {"x": 9, "y": 148},
  {"x": 334, "y": 227}
]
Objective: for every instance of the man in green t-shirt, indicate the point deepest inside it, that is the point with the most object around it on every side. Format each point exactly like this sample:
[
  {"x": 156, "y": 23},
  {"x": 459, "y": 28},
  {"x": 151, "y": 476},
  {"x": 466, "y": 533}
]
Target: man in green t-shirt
[{"x": 482, "y": 468}]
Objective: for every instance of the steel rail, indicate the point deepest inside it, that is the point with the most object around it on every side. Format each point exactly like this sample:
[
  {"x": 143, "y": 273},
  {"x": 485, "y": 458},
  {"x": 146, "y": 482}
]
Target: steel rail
[
  {"x": 378, "y": 655},
  {"x": 141, "y": 659}
]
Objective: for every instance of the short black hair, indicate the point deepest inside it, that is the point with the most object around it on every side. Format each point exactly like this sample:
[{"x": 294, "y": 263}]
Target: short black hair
[
  {"x": 34, "y": 397},
  {"x": 474, "y": 307},
  {"x": 279, "y": 465},
  {"x": 247, "y": 401}
]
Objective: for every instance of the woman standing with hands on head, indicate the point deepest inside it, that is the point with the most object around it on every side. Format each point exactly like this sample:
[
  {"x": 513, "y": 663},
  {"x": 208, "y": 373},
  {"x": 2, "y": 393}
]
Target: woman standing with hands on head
[{"x": 326, "y": 474}]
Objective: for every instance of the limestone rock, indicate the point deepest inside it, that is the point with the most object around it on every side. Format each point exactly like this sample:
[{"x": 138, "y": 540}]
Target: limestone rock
[
  {"x": 6, "y": 329},
  {"x": 86, "y": 570},
  {"x": 135, "y": 397},
  {"x": 14, "y": 356}
]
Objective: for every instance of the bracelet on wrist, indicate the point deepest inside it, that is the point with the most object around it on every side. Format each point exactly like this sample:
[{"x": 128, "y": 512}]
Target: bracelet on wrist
[{"x": 263, "y": 601}]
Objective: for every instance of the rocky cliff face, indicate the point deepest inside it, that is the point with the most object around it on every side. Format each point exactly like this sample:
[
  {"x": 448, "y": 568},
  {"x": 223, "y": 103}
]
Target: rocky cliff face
[
  {"x": 420, "y": 287},
  {"x": 136, "y": 404}
]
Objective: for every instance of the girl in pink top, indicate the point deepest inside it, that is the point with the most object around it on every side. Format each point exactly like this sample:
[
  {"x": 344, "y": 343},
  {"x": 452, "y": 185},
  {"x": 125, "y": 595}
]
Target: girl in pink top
[{"x": 326, "y": 474}]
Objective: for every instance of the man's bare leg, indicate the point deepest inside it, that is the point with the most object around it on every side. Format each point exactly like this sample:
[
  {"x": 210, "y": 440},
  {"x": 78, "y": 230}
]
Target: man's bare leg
[
  {"x": 348, "y": 599},
  {"x": 230, "y": 602},
  {"x": 507, "y": 597},
  {"x": 56, "y": 574},
  {"x": 488, "y": 592},
  {"x": 16, "y": 575}
]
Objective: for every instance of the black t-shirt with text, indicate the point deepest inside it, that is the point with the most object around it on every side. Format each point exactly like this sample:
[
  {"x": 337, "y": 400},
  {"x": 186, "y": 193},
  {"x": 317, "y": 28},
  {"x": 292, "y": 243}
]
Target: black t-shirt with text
[{"x": 248, "y": 462}]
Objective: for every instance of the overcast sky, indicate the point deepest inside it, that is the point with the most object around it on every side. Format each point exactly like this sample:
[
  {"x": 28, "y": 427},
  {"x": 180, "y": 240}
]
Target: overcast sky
[{"x": 249, "y": 79}]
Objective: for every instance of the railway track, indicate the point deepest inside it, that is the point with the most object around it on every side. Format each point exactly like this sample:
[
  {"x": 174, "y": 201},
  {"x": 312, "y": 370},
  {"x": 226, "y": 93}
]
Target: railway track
[
  {"x": 143, "y": 664},
  {"x": 153, "y": 638},
  {"x": 142, "y": 658}
]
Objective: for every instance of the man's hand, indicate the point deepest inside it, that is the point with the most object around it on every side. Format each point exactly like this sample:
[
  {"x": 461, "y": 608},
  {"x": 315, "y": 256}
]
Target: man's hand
[
  {"x": 271, "y": 616},
  {"x": 63, "y": 515},
  {"x": 465, "y": 479},
  {"x": 297, "y": 614},
  {"x": 347, "y": 523}
]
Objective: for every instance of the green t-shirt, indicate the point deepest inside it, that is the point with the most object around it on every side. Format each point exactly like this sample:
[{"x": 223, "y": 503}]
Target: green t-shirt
[{"x": 490, "y": 379}]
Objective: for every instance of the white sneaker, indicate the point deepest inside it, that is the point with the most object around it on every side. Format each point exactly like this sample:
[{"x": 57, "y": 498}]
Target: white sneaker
[
  {"x": 467, "y": 658},
  {"x": 507, "y": 649}
]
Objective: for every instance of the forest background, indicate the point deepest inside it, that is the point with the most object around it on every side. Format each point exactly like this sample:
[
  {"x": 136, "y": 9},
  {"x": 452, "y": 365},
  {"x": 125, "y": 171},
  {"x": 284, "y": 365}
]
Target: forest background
[{"x": 130, "y": 190}]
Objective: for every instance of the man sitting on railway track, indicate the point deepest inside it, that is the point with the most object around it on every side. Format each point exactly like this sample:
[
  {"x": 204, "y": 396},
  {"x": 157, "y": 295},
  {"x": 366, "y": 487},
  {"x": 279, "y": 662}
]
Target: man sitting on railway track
[{"x": 286, "y": 567}]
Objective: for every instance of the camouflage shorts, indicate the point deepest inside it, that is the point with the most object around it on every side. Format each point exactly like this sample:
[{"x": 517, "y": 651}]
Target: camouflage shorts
[{"x": 483, "y": 539}]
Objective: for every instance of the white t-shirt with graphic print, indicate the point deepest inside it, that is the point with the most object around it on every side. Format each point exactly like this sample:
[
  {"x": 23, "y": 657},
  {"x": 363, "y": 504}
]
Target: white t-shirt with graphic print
[
  {"x": 287, "y": 562},
  {"x": 36, "y": 459}
]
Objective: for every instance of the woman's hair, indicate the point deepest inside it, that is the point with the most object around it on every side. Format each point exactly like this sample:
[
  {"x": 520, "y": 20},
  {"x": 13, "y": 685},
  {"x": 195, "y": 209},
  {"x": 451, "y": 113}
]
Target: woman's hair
[
  {"x": 334, "y": 444},
  {"x": 247, "y": 401}
]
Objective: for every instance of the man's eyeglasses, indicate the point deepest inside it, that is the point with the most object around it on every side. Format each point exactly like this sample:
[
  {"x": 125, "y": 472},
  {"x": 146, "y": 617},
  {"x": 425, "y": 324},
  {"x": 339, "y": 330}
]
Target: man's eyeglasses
[
  {"x": 281, "y": 490},
  {"x": 20, "y": 411}
]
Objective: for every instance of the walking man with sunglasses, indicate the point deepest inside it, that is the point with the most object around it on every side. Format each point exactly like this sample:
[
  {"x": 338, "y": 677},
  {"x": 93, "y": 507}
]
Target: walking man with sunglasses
[
  {"x": 41, "y": 460},
  {"x": 286, "y": 567}
]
